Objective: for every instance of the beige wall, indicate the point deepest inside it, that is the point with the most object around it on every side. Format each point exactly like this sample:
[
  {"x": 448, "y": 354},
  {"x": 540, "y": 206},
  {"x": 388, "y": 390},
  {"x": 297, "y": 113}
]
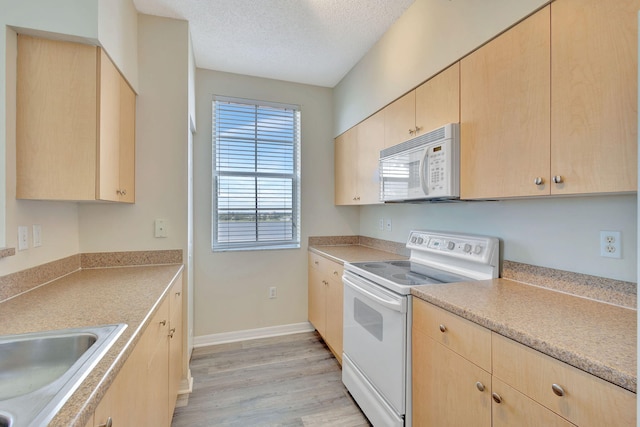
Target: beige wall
[
  {"x": 231, "y": 287},
  {"x": 428, "y": 37},
  {"x": 162, "y": 127},
  {"x": 561, "y": 233}
]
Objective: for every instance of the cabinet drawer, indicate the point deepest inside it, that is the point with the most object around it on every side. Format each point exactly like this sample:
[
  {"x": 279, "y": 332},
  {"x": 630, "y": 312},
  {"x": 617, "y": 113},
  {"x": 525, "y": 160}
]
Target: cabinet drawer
[
  {"x": 329, "y": 269},
  {"x": 466, "y": 338},
  {"x": 516, "y": 409},
  {"x": 587, "y": 400}
]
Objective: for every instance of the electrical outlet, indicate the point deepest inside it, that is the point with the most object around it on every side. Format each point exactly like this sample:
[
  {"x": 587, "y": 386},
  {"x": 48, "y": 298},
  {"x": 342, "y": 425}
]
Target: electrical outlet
[
  {"x": 273, "y": 292},
  {"x": 611, "y": 244},
  {"x": 388, "y": 224},
  {"x": 381, "y": 224}
]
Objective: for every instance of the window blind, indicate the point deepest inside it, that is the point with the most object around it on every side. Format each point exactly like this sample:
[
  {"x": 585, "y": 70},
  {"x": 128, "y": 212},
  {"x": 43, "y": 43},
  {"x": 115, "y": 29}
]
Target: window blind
[{"x": 256, "y": 175}]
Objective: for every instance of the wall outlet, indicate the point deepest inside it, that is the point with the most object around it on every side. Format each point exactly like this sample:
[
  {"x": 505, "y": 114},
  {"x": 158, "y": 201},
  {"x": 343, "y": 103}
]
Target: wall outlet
[
  {"x": 23, "y": 237},
  {"x": 160, "y": 227},
  {"x": 611, "y": 244},
  {"x": 273, "y": 292},
  {"x": 37, "y": 235},
  {"x": 388, "y": 224}
]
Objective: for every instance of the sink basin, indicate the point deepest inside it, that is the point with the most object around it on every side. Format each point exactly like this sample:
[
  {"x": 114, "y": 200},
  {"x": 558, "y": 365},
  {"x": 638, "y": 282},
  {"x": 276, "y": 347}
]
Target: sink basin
[{"x": 39, "y": 371}]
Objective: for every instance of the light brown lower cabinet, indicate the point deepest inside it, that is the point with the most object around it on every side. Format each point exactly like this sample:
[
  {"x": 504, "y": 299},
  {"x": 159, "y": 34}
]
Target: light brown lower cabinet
[
  {"x": 522, "y": 387},
  {"x": 325, "y": 301},
  {"x": 145, "y": 390}
]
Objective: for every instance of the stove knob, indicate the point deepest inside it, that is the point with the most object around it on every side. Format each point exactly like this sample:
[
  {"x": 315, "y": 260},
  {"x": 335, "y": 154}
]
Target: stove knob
[
  {"x": 420, "y": 240},
  {"x": 451, "y": 246},
  {"x": 477, "y": 250},
  {"x": 413, "y": 239},
  {"x": 467, "y": 247}
]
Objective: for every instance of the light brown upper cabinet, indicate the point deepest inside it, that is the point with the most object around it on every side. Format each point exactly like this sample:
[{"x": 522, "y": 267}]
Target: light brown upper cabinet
[
  {"x": 594, "y": 90},
  {"x": 75, "y": 124},
  {"x": 357, "y": 152},
  {"x": 505, "y": 113},
  {"x": 438, "y": 100},
  {"x": 430, "y": 106}
]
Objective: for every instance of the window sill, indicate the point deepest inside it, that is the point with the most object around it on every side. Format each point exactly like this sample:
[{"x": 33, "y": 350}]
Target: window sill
[{"x": 257, "y": 248}]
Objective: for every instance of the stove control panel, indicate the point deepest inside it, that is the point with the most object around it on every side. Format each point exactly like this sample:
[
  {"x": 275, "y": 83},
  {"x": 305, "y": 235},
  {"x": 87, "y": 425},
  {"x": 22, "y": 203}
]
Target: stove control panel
[{"x": 471, "y": 247}]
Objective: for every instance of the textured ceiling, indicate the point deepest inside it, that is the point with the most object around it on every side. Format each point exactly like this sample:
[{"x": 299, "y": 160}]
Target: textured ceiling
[{"x": 306, "y": 41}]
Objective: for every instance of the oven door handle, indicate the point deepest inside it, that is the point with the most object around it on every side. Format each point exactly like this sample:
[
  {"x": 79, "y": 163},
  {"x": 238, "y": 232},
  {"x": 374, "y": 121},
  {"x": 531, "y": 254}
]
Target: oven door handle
[{"x": 392, "y": 304}]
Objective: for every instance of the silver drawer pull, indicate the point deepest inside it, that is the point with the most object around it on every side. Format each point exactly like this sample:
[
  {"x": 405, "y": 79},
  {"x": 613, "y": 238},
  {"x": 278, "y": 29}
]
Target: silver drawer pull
[
  {"x": 496, "y": 397},
  {"x": 443, "y": 328},
  {"x": 558, "y": 390},
  {"x": 480, "y": 386}
]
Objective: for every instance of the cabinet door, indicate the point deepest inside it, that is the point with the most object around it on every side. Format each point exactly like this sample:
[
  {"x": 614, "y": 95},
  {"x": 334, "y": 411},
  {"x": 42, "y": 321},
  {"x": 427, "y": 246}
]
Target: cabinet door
[
  {"x": 370, "y": 136},
  {"x": 108, "y": 185},
  {"x": 56, "y": 120},
  {"x": 504, "y": 113},
  {"x": 516, "y": 409},
  {"x": 127, "y": 158},
  {"x": 438, "y": 100},
  {"x": 334, "y": 309},
  {"x": 175, "y": 342},
  {"x": 594, "y": 92},
  {"x": 448, "y": 390},
  {"x": 345, "y": 163},
  {"x": 157, "y": 369},
  {"x": 400, "y": 120},
  {"x": 316, "y": 298}
]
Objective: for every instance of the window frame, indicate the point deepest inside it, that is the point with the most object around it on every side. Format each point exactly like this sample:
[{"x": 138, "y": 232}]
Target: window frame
[{"x": 295, "y": 176}]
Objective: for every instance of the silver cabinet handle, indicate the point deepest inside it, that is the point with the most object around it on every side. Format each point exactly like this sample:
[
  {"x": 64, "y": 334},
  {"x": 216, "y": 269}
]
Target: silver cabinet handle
[
  {"x": 496, "y": 397},
  {"x": 443, "y": 328},
  {"x": 418, "y": 128},
  {"x": 558, "y": 390},
  {"x": 171, "y": 332},
  {"x": 557, "y": 179},
  {"x": 538, "y": 181},
  {"x": 109, "y": 423},
  {"x": 411, "y": 131},
  {"x": 121, "y": 192},
  {"x": 178, "y": 294},
  {"x": 480, "y": 386},
  {"x": 163, "y": 322}
]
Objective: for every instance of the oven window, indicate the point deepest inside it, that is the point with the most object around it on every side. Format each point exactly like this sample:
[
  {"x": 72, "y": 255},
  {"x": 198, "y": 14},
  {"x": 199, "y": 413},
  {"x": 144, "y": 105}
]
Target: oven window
[{"x": 370, "y": 319}]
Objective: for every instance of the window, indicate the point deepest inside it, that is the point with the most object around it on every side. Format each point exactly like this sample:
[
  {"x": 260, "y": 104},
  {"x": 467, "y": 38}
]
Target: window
[{"x": 256, "y": 175}]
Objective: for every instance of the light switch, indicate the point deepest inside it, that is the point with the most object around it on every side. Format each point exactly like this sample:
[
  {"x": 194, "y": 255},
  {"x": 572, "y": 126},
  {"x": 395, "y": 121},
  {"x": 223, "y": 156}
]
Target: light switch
[
  {"x": 161, "y": 228},
  {"x": 23, "y": 237},
  {"x": 37, "y": 235}
]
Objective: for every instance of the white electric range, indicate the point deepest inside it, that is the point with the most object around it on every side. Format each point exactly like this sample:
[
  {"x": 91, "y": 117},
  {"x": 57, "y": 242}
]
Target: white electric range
[{"x": 376, "y": 363}]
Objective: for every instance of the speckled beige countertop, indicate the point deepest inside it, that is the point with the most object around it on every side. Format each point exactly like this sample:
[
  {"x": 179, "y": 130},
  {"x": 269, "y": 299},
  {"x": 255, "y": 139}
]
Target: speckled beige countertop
[
  {"x": 593, "y": 336},
  {"x": 92, "y": 297},
  {"x": 354, "y": 253}
]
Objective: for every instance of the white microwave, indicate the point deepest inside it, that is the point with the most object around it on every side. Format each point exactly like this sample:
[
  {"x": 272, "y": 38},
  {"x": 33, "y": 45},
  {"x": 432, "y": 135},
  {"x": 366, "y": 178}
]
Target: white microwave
[{"x": 426, "y": 167}]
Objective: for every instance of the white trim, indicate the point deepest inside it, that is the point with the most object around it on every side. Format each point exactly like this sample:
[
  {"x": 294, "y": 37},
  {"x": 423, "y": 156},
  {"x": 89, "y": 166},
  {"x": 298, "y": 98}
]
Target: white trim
[
  {"x": 250, "y": 334},
  {"x": 186, "y": 385}
]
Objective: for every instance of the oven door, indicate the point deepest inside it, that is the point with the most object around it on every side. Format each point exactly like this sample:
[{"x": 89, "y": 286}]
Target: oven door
[{"x": 375, "y": 337}]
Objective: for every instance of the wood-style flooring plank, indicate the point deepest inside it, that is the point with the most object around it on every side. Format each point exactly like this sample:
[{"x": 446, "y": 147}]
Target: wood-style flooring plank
[{"x": 291, "y": 380}]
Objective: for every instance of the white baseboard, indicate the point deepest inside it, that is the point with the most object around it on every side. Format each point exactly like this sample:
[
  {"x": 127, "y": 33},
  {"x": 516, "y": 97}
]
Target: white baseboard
[
  {"x": 250, "y": 334},
  {"x": 186, "y": 385}
]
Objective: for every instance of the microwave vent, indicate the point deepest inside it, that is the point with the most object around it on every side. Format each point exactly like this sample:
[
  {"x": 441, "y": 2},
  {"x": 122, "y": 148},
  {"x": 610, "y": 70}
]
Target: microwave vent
[{"x": 426, "y": 138}]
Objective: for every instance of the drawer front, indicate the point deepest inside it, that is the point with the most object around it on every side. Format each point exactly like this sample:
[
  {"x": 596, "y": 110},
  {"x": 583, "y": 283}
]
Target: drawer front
[
  {"x": 516, "y": 409},
  {"x": 466, "y": 338},
  {"x": 331, "y": 270},
  {"x": 586, "y": 400}
]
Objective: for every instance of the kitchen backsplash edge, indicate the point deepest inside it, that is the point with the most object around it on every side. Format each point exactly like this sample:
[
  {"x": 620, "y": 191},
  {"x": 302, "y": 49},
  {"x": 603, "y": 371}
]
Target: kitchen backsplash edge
[{"x": 22, "y": 281}]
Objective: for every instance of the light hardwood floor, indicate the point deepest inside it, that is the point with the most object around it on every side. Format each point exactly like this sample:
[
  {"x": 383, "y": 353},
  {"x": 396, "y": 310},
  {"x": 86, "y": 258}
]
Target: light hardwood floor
[{"x": 291, "y": 380}]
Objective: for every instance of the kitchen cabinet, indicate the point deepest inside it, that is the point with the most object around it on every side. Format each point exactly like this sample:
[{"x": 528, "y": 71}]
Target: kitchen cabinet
[
  {"x": 326, "y": 301},
  {"x": 357, "y": 152},
  {"x": 581, "y": 398},
  {"x": 438, "y": 100},
  {"x": 501, "y": 382},
  {"x": 75, "y": 124},
  {"x": 144, "y": 391},
  {"x": 505, "y": 113},
  {"x": 432, "y": 105},
  {"x": 594, "y": 92}
]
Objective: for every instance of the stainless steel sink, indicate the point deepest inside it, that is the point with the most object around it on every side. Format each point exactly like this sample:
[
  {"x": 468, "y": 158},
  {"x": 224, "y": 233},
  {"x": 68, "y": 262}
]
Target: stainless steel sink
[{"x": 39, "y": 371}]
